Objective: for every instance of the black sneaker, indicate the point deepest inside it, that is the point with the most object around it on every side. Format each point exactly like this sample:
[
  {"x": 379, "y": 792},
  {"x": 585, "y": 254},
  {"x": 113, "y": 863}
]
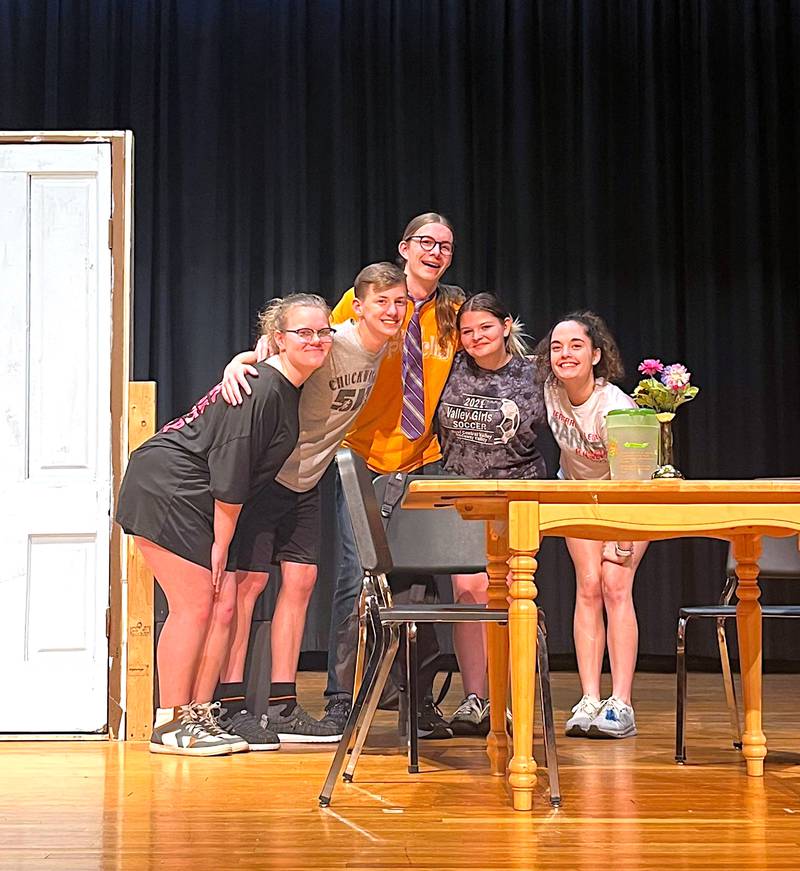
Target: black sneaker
[
  {"x": 249, "y": 727},
  {"x": 430, "y": 722},
  {"x": 299, "y": 727},
  {"x": 336, "y": 712}
]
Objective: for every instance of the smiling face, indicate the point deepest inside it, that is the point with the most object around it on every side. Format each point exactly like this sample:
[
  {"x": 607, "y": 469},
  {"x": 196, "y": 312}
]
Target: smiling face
[
  {"x": 304, "y": 355},
  {"x": 572, "y": 355},
  {"x": 382, "y": 310},
  {"x": 426, "y": 267},
  {"x": 483, "y": 336}
]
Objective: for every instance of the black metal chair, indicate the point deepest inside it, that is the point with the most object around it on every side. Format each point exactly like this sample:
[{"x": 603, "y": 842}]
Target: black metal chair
[
  {"x": 780, "y": 560},
  {"x": 426, "y": 542}
]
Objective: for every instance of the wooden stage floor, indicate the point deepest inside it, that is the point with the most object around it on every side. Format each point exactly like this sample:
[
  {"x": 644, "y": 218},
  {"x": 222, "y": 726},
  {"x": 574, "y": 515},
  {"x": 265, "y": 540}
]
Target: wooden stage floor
[{"x": 626, "y": 805}]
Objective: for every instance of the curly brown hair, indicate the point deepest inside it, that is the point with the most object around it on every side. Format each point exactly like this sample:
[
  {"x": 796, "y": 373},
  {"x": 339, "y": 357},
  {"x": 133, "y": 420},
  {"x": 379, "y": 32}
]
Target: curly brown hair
[{"x": 609, "y": 366}]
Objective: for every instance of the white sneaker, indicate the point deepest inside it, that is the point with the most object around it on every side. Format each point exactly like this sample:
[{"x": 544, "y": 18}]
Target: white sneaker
[
  {"x": 582, "y": 715},
  {"x": 185, "y": 735},
  {"x": 615, "y": 720}
]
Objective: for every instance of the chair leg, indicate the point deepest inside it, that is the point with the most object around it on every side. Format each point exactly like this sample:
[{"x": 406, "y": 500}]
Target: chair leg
[
  {"x": 727, "y": 680},
  {"x": 413, "y": 697},
  {"x": 680, "y": 698},
  {"x": 551, "y": 755},
  {"x": 361, "y": 648},
  {"x": 353, "y": 720},
  {"x": 389, "y": 649}
]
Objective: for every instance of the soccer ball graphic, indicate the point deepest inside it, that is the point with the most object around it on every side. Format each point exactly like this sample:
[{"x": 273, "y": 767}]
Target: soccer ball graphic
[{"x": 509, "y": 423}]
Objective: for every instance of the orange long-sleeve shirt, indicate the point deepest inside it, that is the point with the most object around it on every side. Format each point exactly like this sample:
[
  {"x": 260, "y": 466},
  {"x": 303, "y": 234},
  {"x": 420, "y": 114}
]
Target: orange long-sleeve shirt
[{"x": 376, "y": 434}]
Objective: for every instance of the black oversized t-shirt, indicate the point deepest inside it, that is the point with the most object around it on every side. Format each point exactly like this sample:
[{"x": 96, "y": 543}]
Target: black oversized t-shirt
[
  {"x": 215, "y": 451},
  {"x": 488, "y": 420}
]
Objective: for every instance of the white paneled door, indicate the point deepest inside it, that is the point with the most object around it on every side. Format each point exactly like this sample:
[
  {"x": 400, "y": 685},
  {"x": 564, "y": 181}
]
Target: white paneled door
[{"x": 55, "y": 436}]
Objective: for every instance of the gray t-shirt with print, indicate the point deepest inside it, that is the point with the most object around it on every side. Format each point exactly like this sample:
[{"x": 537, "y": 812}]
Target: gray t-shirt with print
[
  {"x": 488, "y": 420},
  {"x": 330, "y": 401}
]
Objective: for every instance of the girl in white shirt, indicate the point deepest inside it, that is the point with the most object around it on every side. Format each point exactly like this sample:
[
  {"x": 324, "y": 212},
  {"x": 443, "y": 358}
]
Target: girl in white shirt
[{"x": 578, "y": 361}]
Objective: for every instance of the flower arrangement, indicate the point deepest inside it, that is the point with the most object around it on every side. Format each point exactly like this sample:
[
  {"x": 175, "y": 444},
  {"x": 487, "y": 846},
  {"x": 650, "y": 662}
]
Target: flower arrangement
[{"x": 665, "y": 393}]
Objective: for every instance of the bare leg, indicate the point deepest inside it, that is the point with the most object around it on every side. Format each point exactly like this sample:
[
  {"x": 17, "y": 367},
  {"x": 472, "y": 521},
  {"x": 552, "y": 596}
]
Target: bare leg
[
  {"x": 289, "y": 619},
  {"x": 249, "y": 586},
  {"x": 623, "y": 630},
  {"x": 218, "y": 639},
  {"x": 190, "y": 594},
  {"x": 588, "y": 626},
  {"x": 469, "y": 639}
]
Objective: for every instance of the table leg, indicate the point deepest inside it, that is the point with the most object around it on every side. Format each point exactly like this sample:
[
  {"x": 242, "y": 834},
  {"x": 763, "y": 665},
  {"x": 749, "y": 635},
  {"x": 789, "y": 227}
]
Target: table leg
[
  {"x": 497, "y": 638},
  {"x": 746, "y": 551},
  {"x": 523, "y": 538}
]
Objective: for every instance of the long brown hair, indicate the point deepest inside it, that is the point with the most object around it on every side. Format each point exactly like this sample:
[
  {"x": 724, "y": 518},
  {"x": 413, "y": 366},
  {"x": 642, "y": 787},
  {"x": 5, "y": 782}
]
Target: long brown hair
[{"x": 448, "y": 297}]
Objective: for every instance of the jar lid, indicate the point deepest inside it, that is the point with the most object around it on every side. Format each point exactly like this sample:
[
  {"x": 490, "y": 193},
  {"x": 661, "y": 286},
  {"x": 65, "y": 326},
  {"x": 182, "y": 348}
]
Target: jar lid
[{"x": 638, "y": 412}]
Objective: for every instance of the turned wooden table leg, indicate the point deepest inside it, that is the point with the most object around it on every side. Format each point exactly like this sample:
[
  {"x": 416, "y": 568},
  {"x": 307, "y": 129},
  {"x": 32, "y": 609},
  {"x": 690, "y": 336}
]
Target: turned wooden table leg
[
  {"x": 746, "y": 551},
  {"x": 523, "y": 539},
  {"x": 497, "y": 638}
]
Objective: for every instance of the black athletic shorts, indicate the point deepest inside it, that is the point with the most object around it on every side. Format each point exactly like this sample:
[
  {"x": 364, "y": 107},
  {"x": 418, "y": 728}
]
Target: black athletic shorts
[{"x": 278, "y": 524}]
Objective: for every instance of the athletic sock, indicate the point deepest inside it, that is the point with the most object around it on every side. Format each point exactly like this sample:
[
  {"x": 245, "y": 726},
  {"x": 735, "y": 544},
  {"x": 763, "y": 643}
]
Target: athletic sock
[
  {"x": 163, "y": 716},
  {"x": 283, "y": 694},
  {"x": 231, "y": 696}
]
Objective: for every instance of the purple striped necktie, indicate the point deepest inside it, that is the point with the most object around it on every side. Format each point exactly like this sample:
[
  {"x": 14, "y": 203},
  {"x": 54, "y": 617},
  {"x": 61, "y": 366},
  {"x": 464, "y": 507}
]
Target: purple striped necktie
[{"x": 412, "y": 422}]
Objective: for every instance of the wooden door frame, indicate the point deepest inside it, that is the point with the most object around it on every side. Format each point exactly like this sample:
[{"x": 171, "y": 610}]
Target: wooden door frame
[{"x": 120, "y": 242}]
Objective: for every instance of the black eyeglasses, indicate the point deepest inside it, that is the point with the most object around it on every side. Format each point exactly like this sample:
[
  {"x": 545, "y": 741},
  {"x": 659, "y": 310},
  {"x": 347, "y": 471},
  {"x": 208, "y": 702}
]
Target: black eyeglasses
[
  {"x": 428, "y": 243},
  {"x": 326, "y": 334}
]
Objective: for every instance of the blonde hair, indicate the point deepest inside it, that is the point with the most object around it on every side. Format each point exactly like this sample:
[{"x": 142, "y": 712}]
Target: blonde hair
[
  {"x": 448, "y": 297},
  {"x": 491, "y": 304},
  {"x": 272, "y": 318},
  {"x": 381, "y": 276}
]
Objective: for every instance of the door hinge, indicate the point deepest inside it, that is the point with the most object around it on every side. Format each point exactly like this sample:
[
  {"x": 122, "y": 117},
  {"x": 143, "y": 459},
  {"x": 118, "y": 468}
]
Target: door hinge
[
  {"x": 111, "y": 233},
  {"x": 108, "y": 622}
]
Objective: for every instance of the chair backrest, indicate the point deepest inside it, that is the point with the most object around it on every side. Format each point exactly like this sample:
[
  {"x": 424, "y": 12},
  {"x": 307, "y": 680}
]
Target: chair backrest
[
  {"x": 780, "y": 558},
  {"x": 436, "y": 541},
  {"x": 370, "y": 538}
]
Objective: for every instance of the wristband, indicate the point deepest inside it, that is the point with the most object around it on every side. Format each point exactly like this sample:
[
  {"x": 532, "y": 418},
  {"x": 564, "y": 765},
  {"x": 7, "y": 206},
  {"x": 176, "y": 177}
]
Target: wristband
[{"x": 621, "y": 551}]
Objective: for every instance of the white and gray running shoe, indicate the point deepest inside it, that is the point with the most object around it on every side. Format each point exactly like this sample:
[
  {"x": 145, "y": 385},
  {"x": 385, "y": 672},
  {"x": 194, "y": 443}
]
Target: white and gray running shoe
[
  {"x": 615, "y": 720},
  {"x": 206, "y": 714},
  {"x": 582, "y": 715},
  {"x": 185, "y": 735},
  {"x": 471, "y": 717}
]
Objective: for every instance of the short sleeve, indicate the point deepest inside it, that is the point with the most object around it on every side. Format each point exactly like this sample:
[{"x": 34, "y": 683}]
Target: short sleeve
[{"x": 244, "y": 435}]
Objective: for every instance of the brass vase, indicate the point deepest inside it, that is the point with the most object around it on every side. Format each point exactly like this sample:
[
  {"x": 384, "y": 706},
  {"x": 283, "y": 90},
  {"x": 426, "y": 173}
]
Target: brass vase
[{"x": 666, "y": 469}]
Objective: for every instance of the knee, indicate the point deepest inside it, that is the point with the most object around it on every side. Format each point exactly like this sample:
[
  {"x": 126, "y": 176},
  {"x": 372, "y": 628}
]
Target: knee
[
  {"x": 616, "y": 590},
  {"x": 251, "y": 585},
  {"x": 471, "y": 591},
  {"x": 197, "y": 610},
  {"x": 298, "y": 581},
  {"x": 589, "y": 588}
]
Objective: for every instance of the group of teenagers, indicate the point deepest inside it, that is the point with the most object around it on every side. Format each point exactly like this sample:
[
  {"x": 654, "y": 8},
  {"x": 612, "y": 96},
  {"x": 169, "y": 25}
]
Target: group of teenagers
[{"x": 413, "y": 377}]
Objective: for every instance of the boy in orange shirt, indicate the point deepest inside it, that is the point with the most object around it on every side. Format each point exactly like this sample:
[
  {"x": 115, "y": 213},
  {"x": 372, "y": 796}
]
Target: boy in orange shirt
[{"x": 394, "y": 432}]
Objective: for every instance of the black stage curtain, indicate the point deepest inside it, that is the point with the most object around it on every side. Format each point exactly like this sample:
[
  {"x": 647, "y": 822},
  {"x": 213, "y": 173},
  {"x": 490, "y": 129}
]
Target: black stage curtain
[{"x": 639, "y": 158}]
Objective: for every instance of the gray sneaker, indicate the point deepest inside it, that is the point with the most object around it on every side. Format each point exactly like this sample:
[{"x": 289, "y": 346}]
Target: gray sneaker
[
  {"x": 615, "y": 720},
  {"x": 582, "y": 716},
  {"x": 185, "y": 735},
  {"x": 299, "y": 727},
  {"x": 248, "y": 726},
  {"x": 206, "y": 714},
  {"x": 471, "y": 717}
]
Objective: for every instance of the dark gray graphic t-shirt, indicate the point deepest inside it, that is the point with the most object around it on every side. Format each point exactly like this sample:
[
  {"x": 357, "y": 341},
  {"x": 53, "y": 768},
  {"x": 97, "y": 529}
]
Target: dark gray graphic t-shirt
[{"x": 488, "y": 420}]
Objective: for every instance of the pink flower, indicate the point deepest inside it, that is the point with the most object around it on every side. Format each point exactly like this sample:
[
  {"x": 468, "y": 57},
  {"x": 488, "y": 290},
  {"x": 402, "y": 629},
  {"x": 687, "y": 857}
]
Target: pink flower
[
  {"x": 675, "y": 377},
  {"x": 650, "y": 367}
]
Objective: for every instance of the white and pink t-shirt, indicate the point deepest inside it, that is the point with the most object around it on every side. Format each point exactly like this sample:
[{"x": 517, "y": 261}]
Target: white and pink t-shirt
[{"x": 580, "y": 430}]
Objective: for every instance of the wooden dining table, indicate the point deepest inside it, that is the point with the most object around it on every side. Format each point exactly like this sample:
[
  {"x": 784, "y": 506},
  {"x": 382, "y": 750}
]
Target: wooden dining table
[{"x": 517, "y": 514}]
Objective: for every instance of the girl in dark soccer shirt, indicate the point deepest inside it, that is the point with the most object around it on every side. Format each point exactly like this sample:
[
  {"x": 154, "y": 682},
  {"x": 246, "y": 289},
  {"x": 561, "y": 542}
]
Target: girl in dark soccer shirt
[
  {"x": 488, "y": 417},
  {"x": 181, "y": 498}
]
